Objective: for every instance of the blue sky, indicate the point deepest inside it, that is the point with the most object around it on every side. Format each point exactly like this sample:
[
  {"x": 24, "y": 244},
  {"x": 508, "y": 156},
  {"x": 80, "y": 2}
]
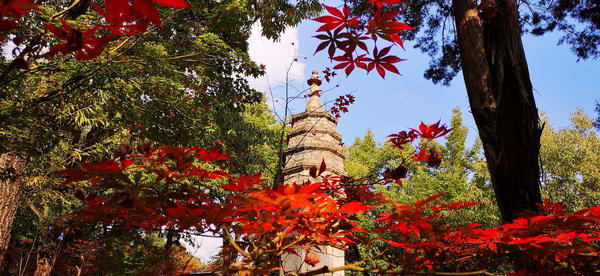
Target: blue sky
[{"x": 561, "y": 85}]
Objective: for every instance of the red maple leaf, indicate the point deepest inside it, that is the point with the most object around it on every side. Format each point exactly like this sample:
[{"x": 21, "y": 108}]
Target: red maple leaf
[
  {"x": 121, "y": 18},
  {"x": 178, "y": 4},
  {"x": 6, "y": 25},
  {"x": 349, "y": 62},
  {"x": 435, "y": 159},
  {"x": 16, "y": 8},
  {"x": 423, "y": 155},
  {"x": 337, "y": 20},
  {"x": 243, "y": 183},
  {"x": 402, "y": 138},
  {"x": 379, "y": 3},
  {"x": 432, "y": 131},
  {"x": 381, "y": 62},
  {"x": 353, "y": 40},
  {"x": 384, "y": 25},
  {"x": 341, "y": 104},
  {"x": 331, "y": 40},
  {"x": 396, "y": 174},
  {"x": 395, "y": 38},
  {"x": 354, "y": 208},
  {"x": 83, "y": 44},
  {"x": 553, "y": 208},
  {"x": 147, "y": 8},
  {"x": 127, "y": 18}
]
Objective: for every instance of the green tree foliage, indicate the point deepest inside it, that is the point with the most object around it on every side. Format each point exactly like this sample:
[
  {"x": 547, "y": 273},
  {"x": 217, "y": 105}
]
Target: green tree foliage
[
  {"x": 167, "y": 85},
  {"x": 597, "y": 122},
  {"x": 579, "y": 22},
  {"x": 122, "y": 253},
  {"x": 362, "y": 156},
  {"x": 462, "y": 175},
  {"x": 251, "y": 138},
  {"x": 571, "y": 158},
  {"x": 249, "y": 135}
]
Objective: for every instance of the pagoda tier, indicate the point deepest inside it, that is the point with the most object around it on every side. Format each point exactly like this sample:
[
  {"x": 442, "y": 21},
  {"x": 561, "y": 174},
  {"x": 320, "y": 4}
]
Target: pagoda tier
[{"x": 313, "y": 138}]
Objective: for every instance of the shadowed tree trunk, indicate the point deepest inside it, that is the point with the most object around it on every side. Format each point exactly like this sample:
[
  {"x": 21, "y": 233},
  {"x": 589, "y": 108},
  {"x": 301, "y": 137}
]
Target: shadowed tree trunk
[
  {"x": 501, "y": 99},
  {"x": 11, "y": 169}
]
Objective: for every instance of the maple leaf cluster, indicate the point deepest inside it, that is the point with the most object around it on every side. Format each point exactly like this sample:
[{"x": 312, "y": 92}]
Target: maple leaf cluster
[
  {"x": 341, "y": 105},
  {"x": 558, "y": 243},
  {"x": 123, "y": 18},
  {"x": 423, "y": 152},
  {"x": 174, "y": 188},
  {"x": 11, "y": 12},
  {"x": 431, "y": 157},
  {"x": 166, "y": 201},
  {"x": 428, "y": 132},
  {"x": 349, "y": 35},
  {"x": 118, "y": 18},
  {"x": 328, "y": 74}
]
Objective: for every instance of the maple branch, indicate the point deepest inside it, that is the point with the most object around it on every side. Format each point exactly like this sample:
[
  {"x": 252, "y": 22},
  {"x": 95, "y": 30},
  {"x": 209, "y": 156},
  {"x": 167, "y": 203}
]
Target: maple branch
[
  {"x": 282, "y": 250},
  {"x": 234, "y": 244},
  {"x": 357, "y": 267},
  {"x": 77, "y": 80},
  {"x": 273, "y": 98},
  {"x": 73, "y": 83},
  {"x": 279, "y": 177},
  {"x": 326, "y": 269},
  {"x": 65, "y": 10},
  {"x": 120, "y": 45}
]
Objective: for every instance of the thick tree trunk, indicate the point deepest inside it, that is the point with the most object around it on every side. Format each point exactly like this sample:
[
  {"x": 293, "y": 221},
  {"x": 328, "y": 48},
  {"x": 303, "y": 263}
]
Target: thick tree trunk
[
  {"x": 11, "y": 169},
  {"x": 501, "y": 98}
]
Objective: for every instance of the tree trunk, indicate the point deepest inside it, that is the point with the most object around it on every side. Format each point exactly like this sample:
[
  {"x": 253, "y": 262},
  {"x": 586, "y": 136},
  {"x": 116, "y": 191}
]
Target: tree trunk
[
  {"x": 11, "y": 169},
  {"x": 501, "y": 98}
]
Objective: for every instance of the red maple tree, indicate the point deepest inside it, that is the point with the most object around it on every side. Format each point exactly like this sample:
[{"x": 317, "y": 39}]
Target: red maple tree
[{"x": 261, "y": 223}]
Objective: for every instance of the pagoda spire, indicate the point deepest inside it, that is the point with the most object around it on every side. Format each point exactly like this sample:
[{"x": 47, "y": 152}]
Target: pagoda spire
[{"x": 314, "y": 104}]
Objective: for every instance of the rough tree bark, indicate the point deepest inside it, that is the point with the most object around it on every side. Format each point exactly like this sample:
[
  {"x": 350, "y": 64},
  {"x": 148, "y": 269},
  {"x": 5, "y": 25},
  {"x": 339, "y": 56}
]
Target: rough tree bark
[
  {"x": 11, "y": 170},
  {"x": 501, "y": 98}
]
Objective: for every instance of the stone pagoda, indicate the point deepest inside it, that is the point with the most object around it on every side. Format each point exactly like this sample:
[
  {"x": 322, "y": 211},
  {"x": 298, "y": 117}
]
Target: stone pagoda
[{"x": 313, "y": 138}]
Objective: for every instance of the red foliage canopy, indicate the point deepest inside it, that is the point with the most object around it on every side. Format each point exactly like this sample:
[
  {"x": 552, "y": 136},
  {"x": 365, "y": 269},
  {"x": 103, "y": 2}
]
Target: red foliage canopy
[{"x": 174, "y": 188}]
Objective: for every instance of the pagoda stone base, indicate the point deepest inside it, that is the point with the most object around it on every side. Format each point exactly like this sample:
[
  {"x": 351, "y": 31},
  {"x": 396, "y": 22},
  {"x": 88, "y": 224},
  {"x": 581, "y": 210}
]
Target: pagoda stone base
[{"x": 328, "y": 256}]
